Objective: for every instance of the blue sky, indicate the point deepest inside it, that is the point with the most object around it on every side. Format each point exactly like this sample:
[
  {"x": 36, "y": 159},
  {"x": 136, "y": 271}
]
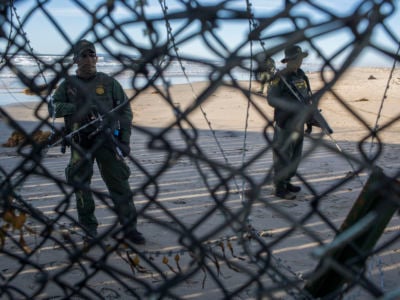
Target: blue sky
[{"x": 75, "y": 22}]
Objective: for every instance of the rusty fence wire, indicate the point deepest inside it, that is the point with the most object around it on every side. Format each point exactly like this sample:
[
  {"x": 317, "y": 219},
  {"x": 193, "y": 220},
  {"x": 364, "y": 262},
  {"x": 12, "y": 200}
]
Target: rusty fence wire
[{"x": 203, "y": 195}]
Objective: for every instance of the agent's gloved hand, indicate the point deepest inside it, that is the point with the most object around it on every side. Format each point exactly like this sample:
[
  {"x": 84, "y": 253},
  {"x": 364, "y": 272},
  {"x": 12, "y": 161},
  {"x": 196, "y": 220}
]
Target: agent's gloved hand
[{"x": 125, "y": 148}]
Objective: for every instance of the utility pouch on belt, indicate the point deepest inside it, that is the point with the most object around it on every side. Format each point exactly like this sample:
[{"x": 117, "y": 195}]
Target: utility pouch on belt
[{"x": 116, "y": 130}]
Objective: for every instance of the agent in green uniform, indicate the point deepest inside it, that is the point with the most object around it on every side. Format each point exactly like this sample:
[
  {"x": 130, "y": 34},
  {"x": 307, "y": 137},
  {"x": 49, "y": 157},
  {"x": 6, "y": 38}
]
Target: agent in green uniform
[
  {"x": 289, "y": 120},
  {"x": 80, "y": 99}
]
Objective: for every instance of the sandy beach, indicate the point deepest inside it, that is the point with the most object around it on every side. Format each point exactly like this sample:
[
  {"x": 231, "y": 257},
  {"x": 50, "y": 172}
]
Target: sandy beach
[{"x": 178, "y": 201}]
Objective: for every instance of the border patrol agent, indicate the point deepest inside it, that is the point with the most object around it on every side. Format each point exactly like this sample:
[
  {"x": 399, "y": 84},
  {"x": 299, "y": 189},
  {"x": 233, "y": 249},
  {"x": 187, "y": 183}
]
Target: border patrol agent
[
  {"x": 289, "y": 121},
  {"x": 81, "y": 99}
]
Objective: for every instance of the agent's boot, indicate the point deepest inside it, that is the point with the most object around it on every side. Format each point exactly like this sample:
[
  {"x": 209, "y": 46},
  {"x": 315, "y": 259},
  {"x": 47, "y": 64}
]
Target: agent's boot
[
  {"x": 293, "y": 188},
  {"x": 90, "y": 233},
  {"x": 135, "y": 237},
  {"x": 283, "y": 193}
]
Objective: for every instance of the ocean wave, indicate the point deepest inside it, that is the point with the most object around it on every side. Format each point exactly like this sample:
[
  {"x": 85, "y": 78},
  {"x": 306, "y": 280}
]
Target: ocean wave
[{"x": 48, "y": 65}]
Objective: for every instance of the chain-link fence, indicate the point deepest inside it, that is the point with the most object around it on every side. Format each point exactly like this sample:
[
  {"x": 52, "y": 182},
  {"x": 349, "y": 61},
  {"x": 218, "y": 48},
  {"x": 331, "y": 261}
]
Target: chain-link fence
[{"x": 203, "y": 193}]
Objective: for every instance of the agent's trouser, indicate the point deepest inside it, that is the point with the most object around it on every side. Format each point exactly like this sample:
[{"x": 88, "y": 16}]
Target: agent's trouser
[
  {"x": 115, "y": 174},
  {"x": 288, "y": 147}
]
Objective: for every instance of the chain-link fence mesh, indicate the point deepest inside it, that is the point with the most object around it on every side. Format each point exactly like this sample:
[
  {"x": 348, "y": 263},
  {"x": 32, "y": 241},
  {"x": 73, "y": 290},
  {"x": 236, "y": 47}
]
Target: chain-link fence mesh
[{"x": 204, "y": 195}]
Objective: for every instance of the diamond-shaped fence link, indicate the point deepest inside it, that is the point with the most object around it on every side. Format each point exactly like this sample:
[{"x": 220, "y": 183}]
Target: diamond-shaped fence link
[{"x": 203, "y": 194}]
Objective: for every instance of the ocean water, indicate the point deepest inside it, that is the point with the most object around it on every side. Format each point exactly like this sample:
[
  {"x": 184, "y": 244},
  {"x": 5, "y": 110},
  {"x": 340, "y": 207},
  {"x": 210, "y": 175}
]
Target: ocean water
[{"x": 46, "y": 68}]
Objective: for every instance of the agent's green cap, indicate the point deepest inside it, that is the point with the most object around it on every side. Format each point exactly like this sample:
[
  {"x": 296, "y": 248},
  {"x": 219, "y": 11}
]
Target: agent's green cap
[
  {"x": 293, "y": 52},
  {"x": 82, "y": 46}
]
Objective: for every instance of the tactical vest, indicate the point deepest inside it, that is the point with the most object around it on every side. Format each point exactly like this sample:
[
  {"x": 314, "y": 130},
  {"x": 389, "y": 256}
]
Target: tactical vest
[
  {"x": 300, "y": 82},
  {"x": 97, "y": 92}
]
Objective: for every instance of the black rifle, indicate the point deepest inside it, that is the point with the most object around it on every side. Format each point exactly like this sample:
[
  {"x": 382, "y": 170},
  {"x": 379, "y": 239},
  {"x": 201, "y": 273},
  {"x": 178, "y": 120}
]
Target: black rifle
[{"x": 316, "y": 118}]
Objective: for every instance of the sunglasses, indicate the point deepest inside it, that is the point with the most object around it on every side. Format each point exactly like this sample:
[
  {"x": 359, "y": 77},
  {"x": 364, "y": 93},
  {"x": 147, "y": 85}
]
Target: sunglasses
[{"x": 88, "y": 54}]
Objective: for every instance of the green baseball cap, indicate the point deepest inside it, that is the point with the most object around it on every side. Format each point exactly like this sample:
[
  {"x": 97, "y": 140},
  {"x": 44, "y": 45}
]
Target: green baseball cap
[
  {"x": 292, "y": 52},
  {"x": 82, "y": 46}
]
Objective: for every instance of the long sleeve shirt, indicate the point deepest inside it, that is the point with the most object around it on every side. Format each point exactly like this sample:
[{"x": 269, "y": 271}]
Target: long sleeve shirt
[
  {"x": 287, "y": 108},
  {"x": 75, "y": 98}
]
